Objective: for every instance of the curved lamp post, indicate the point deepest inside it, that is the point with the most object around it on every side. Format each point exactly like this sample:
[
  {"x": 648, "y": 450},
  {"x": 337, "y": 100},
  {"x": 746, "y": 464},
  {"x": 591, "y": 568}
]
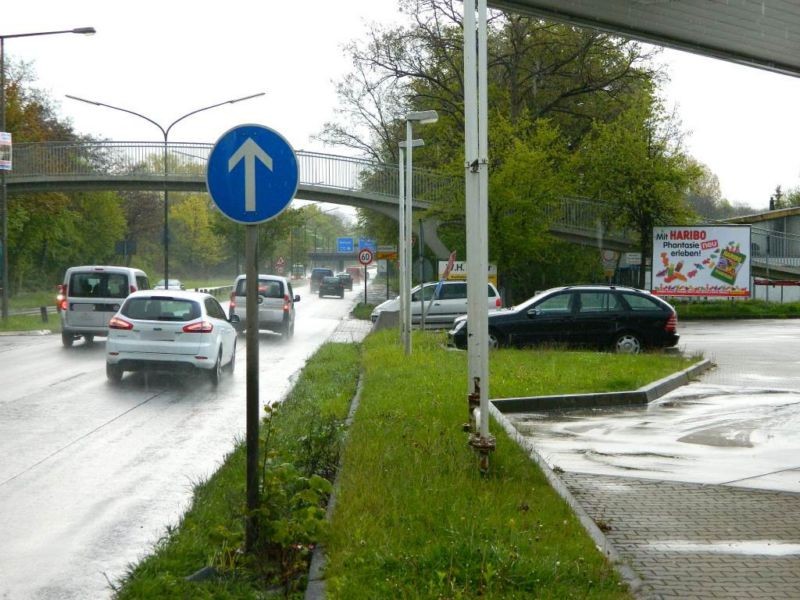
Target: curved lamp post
[
  {"x": 165, "y": 133},
  {"x": 3, "y": 197}
]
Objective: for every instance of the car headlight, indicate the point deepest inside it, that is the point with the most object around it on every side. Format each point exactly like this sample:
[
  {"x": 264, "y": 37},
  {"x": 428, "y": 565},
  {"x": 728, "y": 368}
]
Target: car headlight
[{"x": 458, "y": 325}]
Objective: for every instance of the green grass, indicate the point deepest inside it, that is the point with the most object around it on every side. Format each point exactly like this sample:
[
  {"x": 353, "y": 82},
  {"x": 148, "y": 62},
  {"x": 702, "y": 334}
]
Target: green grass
[
  {"x": 737, "y": 309},
  {"x": 414, "y": 518},
  {"x": 31, "y": 322},
  {"x": 362, "y": 311}
]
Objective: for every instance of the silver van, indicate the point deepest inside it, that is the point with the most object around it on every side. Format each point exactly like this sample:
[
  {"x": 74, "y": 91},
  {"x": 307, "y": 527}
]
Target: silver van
[
  {"x": 276, "y": 300},
  {"x": 89, "y": 297}
]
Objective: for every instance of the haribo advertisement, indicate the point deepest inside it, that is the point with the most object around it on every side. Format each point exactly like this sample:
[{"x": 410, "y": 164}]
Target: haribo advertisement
[{"x": 709, "y": 261}]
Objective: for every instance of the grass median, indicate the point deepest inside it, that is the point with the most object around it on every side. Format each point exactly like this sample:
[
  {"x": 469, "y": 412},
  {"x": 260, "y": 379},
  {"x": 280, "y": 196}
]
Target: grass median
[{"x": 414, "y": 517}]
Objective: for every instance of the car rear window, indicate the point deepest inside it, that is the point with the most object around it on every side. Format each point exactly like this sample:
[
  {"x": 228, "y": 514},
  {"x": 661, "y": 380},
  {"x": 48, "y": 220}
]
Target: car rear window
[
  {"x": 156, "y": 308},
  {"x": 592, "y": 302},
  {"x": 330, "y": 280},
  {"x": 639, "y": 303},
  {"x": 98, "y": 285},
  {"x": 269, "y": 288}
]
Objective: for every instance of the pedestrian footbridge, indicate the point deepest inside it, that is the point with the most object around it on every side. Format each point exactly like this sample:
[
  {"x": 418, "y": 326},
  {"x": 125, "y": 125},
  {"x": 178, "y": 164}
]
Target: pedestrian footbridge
[{"x": 175, "y": 166}]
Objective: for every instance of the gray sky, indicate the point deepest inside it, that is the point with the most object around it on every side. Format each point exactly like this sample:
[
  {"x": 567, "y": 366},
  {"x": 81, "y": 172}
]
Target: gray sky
[{"x": 165, "y": 59}]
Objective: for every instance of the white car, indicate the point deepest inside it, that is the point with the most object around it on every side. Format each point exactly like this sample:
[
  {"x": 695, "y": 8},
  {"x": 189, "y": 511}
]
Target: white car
[
  {"x": 443, "y": 301},
  {"x": 276, "y": 300},
  {"x": 170, "y": 330}
]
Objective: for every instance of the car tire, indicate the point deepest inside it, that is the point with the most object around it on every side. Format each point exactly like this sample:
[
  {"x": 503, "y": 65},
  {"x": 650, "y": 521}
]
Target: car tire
[
  {"x": 215, "y": 374},
  {"x": 114, "y": 373},
  {"x": 320, "y": 294},
  {"x": 628, "y": 343},
  {"x": 341, "y": 294},
  {"x": 496, "y": 339},
  {"x": 232, "y": 364},
  {"x": 67, "y": 339},
  {"x": 89, "y": 339}
]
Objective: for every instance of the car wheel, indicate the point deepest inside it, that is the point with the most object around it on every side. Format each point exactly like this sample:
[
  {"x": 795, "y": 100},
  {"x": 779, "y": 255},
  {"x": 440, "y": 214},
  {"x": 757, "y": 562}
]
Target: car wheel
[
  {"x": 496, "y": 339},
  {"x": 89, "y": 339},
  {"x": 628, "y": 343},
  {"x": 114, "y": 373},
  {"x": 216, "y": 372},
  {"x": 232, "y": 364},
  {"x": 320, "y": 294},
  {"x": 67, "y": 339},
  {"x": 341, "y": 294}
]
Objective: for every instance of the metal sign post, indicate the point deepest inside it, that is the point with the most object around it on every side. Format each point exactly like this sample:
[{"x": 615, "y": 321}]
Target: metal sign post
[
  {"x": 252, "y": 176},
  {"x": 365, "y": 257}
]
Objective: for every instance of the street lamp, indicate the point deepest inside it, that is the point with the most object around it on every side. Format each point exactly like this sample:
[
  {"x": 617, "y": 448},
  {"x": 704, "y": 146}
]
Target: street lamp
[
  {"x": 422, "y": 117},
  {"x": 3, "y": 197},
  {"x": 165, "y": 133},
  {"x": 405, "y": 326}
]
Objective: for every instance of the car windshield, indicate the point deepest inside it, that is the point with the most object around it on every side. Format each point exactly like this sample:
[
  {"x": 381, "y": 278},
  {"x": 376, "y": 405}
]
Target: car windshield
[{"x": 154, "y": 308}]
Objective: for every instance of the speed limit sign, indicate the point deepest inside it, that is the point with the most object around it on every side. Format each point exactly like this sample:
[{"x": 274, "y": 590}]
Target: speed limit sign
[{"x": 365, "y": 256}]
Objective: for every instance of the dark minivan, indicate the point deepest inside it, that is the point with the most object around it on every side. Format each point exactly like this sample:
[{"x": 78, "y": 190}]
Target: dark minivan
[
  {"x": 316, "y": 277},
  {"x": 620, "y": 318}
]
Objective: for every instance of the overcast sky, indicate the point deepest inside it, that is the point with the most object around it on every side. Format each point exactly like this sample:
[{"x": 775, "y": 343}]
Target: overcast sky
[{"x": 165, "y": 59}]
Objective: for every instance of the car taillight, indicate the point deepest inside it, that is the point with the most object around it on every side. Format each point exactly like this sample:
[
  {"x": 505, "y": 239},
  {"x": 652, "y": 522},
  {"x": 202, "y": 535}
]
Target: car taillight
[
  {"x": 233, "y": 300},
  {"x": 286, "y": 303},
  {"x": 672, "y": 323},
  {"x": 118, "y": 323},
  {"x": 132, "y": 288},
  {"x": 199, "y": 327},
  {"x": 498, "y": 303},
  {"x": 61, "y": 297}
]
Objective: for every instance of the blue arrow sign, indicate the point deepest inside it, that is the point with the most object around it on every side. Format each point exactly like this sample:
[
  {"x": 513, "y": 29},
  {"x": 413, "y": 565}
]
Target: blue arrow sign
[{"x": 252, "y": 174}]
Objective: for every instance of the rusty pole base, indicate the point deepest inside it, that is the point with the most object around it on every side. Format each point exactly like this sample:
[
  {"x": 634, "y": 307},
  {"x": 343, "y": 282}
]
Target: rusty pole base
[{"x": 484, "y": 446}]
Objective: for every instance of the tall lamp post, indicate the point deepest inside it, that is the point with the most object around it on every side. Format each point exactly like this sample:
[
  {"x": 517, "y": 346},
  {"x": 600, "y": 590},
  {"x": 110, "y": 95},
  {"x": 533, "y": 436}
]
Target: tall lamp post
[
  {"x": 405, "y": 327},
  {"x": 3, "y": 197},
  {"x": 422, "y": 117},
  {"x": 165, "y": 133}
]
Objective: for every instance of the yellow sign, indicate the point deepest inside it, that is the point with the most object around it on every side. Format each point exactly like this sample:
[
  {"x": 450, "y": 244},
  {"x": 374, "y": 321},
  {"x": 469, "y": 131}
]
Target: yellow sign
[{"x": 385, "y": 255}]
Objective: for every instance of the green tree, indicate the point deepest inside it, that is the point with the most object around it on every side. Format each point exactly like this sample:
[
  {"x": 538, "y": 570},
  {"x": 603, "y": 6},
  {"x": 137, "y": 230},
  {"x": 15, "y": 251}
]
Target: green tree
[
  {"x": 635, "y": 165},
  {"x": 197, "y": 248}
]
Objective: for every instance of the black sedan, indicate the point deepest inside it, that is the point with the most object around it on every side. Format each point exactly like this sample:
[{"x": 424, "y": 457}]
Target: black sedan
[
  {"x": 331, "y": 286},
  {"x": 347, "y": 280},
  {"x": 610, "y": 317}
]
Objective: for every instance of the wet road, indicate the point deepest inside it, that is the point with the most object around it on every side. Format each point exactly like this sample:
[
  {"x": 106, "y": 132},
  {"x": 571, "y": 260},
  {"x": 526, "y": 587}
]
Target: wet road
[
  {"x": 91, "y": 474},
  {"x": 737, "y": 426}
]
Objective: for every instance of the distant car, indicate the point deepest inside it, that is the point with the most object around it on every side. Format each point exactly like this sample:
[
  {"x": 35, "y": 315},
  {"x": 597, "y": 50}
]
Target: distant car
[
  {"x": 347, "y": 280},
  {"x": 174, "y": 284},
  {"x": 355, "y": 273},
  {"x": 170, "y": 330},
  {"x": 317, "y": 274},
  {"x": 331, "y": 286},
  {"x": 443, "y": 302},
  {"x": 276, "y": 300},
  {"x": 623, "y": 319}
]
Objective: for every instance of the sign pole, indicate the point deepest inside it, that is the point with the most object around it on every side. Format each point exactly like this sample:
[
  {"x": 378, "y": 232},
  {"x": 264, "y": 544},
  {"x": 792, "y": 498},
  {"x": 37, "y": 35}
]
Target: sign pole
[
  {"x": 251, "y": 274},
  {"x": 365, "y": 284}
]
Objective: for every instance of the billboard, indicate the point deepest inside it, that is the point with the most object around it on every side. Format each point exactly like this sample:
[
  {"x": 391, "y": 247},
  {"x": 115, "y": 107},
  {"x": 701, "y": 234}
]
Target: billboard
[
  {"x": 702, "y": 261},
  {"x": 458, "y": 271}
]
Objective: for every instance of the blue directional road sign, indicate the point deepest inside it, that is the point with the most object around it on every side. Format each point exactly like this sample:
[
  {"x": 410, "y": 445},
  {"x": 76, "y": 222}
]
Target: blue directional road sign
[
  {"x": 252, "y": 174},
  {"x": 344, "y": 244},
  {"x": 367, "y": 243}
]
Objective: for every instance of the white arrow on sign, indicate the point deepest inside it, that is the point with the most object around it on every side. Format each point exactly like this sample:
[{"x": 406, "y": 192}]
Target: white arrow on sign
[{"x": 249, "y": 151}]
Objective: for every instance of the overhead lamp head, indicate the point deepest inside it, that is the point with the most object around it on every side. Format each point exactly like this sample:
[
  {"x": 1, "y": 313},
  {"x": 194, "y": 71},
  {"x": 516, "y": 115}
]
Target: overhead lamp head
[
  {"x": 84, "y": 30},
  {"x": 423, "y": 116},
  {"x": 414, "y": 143}
]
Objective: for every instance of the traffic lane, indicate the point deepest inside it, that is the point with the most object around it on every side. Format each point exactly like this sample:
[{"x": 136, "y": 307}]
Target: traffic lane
[
  {"x": 96, "y": 472},
  {"x": 737, "y": 425}
]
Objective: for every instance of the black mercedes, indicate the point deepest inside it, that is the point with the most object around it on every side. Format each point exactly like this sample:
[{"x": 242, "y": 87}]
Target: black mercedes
[{"x": 609, "y": 317}]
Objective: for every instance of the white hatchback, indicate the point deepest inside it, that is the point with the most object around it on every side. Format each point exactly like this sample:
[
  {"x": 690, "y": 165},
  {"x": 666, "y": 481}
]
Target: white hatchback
[{"x": 170, "y": 330}]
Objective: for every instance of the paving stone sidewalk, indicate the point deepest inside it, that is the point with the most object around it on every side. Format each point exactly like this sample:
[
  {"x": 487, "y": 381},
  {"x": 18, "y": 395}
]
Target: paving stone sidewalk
[{"x": 693, "y": 541}]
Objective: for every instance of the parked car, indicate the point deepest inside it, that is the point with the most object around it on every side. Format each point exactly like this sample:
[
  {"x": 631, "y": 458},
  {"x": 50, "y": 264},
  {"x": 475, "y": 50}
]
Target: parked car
[
  {"x": 347, "y": 280},
  {"x": 331, "y": 286},
  {"x": 619, "y": 318},
  {"x": 443, "y": 302},
  {"x": 317, "y": 275},
  {"x": 91, "y": 295},
  {"x": 276, "y": 300},
  {"x": 174, "y": 284},
  {"x": 170, "y": 330}
]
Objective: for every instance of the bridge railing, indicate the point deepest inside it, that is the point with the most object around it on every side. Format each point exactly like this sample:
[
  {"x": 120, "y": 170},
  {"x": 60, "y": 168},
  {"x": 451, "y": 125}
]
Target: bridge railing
[{"x": 71, "y": 160}]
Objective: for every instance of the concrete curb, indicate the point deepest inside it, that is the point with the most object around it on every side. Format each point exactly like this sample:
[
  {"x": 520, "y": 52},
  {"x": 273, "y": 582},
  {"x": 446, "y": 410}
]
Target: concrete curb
[
  {"x": 27, "y": 333},
  {"x": 315, "y": 590}
]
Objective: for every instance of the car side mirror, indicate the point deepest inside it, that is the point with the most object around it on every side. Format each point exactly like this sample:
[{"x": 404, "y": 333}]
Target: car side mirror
[
  {"x": 297, "y": 298},
  {"x": 234, "y": 319},
  {"x": 534, "y": 312}
]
